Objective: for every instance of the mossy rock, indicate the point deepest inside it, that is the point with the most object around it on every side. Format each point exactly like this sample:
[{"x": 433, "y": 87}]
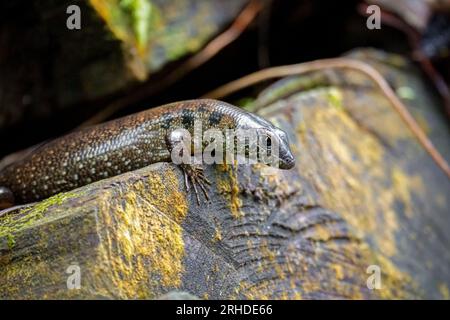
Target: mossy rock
[{"x": 363, "y": 193}]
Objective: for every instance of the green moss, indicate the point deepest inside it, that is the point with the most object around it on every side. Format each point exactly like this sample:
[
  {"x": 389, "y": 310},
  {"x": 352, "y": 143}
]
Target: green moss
[
  {"x": 335, "y": 98},
  {"x": 10, "y": 225},
  {"x": 10, "y": 240},
  {"x": 406, "y": 93},
  {"x": 246, "y": 103},
  {"x": 131, "y": 21},
  {"x": 141, "y": 15}
]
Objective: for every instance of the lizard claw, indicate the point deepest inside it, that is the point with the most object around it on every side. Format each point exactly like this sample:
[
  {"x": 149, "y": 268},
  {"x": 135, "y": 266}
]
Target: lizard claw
[{"x": 197, "y": 178}]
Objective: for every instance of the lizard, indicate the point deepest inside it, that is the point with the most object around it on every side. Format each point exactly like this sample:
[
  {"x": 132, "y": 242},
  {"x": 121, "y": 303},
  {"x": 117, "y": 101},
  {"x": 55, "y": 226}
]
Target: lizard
[{"x": 126, "y": 144}]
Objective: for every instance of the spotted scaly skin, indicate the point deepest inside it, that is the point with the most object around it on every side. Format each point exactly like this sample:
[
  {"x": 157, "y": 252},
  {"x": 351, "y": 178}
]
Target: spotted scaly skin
[{"x": 119, "y": 146}]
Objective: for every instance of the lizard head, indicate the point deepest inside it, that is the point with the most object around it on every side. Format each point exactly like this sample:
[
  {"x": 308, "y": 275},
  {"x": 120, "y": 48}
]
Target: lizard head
[
  {"x": 286, "y": 158},
  {"x": 276, "y": 140}
]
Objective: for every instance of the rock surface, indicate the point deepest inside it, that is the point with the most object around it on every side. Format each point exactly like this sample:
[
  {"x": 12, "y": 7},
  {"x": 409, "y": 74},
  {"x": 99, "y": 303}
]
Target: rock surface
[{"x": 363, "y": 193}]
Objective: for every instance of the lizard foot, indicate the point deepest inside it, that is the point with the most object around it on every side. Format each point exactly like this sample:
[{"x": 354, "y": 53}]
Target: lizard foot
[
  {"x": 179, "y": 142},
  {"x": 197, "y": 178}
]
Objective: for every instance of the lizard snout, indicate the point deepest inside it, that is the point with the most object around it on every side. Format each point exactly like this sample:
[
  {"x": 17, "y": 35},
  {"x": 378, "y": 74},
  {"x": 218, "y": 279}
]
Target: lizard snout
[{"x": 287, "y": 161}]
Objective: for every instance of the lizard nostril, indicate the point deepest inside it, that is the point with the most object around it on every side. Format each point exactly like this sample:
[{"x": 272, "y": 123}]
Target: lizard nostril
[{"x": 288, "y": 162}]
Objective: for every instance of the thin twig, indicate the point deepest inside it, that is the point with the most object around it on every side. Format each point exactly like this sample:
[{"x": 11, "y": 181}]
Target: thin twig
[
  {"x": 239, "y": 25},
  {"x": 340, "y": 63}
]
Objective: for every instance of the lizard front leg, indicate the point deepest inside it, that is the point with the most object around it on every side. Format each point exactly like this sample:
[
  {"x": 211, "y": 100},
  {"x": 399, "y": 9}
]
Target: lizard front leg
[{"x": 179, "y": 145}]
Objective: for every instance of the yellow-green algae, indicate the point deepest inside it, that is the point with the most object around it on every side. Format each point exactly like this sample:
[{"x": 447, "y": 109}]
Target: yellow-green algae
[
  {"x": 346, "y": 161},
  {"x": 143, "y": 237},
  {"x": 245, "y": 103},
  {"x": 217, "y": 234},
  {"x": 349, "y": 171},
  {"x": 228, "y": 185},
  {"x": 140, "y": 247},
  {"x": 298, "y": 277},
  {"x": 142, "y": 13},
  {"x": 308, "y": 280},
  {"x": 22, "y": 271},
  {"x": 29, "y": 217},
  {"x": 443, "y": 290},
  {"x": 347, "y": 165}
]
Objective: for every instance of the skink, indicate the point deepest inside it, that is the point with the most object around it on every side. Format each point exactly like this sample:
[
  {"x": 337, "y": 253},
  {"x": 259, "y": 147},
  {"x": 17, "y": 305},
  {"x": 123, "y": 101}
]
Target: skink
[{"x": 122, "y": 145}]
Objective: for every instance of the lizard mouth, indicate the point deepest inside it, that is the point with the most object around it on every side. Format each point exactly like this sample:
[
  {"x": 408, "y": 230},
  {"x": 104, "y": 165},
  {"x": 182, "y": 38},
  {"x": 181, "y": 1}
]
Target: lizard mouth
[{"x": 287, "y": 162}]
